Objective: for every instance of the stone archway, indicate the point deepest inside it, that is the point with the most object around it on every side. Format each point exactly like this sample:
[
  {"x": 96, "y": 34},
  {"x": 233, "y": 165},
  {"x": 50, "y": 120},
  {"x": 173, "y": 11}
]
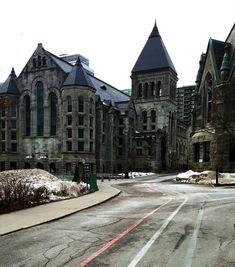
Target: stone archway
[
  {"x": 39, "y": 165},
  {"x": 52, "y": 167}
]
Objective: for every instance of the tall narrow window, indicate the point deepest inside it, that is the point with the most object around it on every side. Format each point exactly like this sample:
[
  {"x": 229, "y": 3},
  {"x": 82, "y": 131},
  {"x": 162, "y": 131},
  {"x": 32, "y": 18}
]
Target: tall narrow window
[
  {"x": 39, "y": 61},
  {"x": 146, "y": 90},
  {"x": 53, "y": 113},
  {"x": 80, "y": 104},
  {"x": 208, "y": 97},
  {"x": 40, "y": 109},
  {"x": 159, "y": 88},
  {"x": 206, "y": 148},
  {"x": 69, "y": 104},
  {"x": 44, "y": 61},
  {"x": 153, "y": 116},
  {"x": 144, "y": 116},
  {"x": 91, "y": 105},
  {"x": 13, "y": 110},
  {"x": 34, "y": 62},
  {"x": 139, "y": 92},
  {"x": 196, "y": 148},
  {"x": 152, "y": 89}
]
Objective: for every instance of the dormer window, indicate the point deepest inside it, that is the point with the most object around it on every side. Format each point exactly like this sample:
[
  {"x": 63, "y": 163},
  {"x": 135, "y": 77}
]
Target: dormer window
[{"x": 103, "y": 87}]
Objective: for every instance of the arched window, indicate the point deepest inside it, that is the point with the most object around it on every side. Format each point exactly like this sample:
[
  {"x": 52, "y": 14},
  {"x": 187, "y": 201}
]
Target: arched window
[
  {"x": 159, "y": 88},
  {"x": 27, "y": 117},
  {"x": 44, "y": 61},
  {"x": 39, "y": 61},
  {"x": 152, "y": 89},
  {"x": 69, "y": 104},
  {"x": 34, "y": 63},
  {"x": 146, "y": 90},
  {"x": 144, "y": 116},
  {"x": 153, "y": 116},
  {"x": 208, "y": 97},
  {"x": 139, "y": 92},
  {"x": 53, "y": 113},
  {"x": 91, "y": 105},
  {"x": 80, "y": 104},
  {"x": 40, "y": 109}
]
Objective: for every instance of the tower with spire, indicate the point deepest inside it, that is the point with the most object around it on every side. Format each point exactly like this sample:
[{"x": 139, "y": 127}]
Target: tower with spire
[{"x": 154, "y": 80}]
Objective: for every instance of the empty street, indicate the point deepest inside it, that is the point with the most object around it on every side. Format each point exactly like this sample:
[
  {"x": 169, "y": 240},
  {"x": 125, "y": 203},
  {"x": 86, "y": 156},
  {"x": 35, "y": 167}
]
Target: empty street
[{"x": 153, "y": 222}]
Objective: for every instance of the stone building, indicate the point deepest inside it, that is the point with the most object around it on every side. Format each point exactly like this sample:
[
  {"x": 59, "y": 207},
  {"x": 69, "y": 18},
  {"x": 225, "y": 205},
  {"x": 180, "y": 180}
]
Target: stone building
[
  {"x": 213, "y": 128},
  {"x": 154, "y": 81},
  {"x": 57, "y": 115}
]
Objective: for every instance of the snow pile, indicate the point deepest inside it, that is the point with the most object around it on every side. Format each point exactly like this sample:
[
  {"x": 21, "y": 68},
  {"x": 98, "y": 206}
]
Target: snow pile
[
  {"x": 139, "y": 174},
  {"x": 205, "y": 177},
  {"x": 136, "y": 174},
  {"x": 56, "y": 189}
]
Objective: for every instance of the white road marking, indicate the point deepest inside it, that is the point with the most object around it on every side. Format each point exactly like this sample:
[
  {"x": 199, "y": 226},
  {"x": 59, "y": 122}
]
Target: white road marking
[
  {"x": 193, "y": 242},
  {"x": 157, "y": 234}
]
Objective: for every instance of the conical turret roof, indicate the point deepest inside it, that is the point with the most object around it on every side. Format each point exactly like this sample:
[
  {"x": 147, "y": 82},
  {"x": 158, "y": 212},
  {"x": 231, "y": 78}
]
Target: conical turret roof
[
  {"x": 78, "y": 76},
  {"x": 9, "y": 86},
  {"x": 154, "y": 55}
]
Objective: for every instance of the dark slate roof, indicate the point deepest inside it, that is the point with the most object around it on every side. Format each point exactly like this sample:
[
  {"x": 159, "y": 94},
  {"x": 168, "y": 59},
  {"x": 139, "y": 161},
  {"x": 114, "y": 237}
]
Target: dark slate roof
[
  {"x": 107, "y": 92},
  {"x": 9, "y": 86},
  {"x": 123, "y": 106},
  {"x": 218, "y": 52},
  {"x": 154, "y": 55},
  {"x": 64, "y": 65},
  {"x": 78, "y": 76}
]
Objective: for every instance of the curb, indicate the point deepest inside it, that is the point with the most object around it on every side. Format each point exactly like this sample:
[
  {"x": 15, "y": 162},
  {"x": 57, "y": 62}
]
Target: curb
[{"x": 62, "y": 216}]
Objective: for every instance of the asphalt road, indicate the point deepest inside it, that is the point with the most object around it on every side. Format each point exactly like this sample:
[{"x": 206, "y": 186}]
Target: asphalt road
[{"x": 153, "y": 222}]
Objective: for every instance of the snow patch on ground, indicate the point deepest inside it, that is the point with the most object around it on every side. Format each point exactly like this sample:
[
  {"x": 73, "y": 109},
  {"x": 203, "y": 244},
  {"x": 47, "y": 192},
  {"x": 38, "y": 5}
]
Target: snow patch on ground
[
  {"x": 136, "y": 174},
  {"x": 205, "y": 177},
  {"x": 56, "y": 188}
]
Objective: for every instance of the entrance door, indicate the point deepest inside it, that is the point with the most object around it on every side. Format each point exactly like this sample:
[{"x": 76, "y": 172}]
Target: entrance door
[{"x": 40, "y": 166}]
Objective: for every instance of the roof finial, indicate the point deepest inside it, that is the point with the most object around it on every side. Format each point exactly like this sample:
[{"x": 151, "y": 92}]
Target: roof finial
[
  {"x": 155, "y": 32},
  {"x": 12, "y": 71},
  {"x": 78, "y": 62}
]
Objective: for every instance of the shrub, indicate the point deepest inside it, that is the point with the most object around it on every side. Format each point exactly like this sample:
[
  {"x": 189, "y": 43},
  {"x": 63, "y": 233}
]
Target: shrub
[{"x": 17, "y": 194}]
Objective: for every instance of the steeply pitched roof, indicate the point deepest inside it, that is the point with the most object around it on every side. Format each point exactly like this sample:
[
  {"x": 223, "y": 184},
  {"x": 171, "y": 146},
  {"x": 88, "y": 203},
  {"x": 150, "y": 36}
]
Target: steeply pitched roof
[
  {"x": 218, "y": 52},
  {"x": 107, "y": 92},
  {"x": 9, "y": 86},
  {"x": 154, "y": 55},
  {"x": 78, "y": 76},
  {"x": 64, "y": 65}
]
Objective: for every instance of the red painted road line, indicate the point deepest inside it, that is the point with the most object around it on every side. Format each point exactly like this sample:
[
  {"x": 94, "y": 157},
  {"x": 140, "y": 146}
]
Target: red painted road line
[{"x": 119, "y": 236}]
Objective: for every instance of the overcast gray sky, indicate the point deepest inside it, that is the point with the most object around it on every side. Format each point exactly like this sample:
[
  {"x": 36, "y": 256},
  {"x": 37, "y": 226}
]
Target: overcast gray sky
[{"x": 112, "y": 33}]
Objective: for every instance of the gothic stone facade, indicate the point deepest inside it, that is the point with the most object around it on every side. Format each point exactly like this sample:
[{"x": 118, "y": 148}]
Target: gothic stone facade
[
  {"x": 56, "y": 115},
  {"x": 213, "y": 129}
]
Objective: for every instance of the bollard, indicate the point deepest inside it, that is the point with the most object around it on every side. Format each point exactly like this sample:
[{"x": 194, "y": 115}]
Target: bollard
[
  {"x": 102, "y": 178},
  {"x": 217, "y": 176}
]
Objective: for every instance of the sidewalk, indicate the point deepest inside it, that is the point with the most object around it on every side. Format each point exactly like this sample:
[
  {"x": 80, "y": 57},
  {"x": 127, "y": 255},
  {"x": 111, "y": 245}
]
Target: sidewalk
[{"x": 22, "y": 219}]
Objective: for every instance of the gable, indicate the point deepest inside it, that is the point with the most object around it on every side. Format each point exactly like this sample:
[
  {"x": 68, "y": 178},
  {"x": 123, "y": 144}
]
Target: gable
[{"x": 41, "y": 60}]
